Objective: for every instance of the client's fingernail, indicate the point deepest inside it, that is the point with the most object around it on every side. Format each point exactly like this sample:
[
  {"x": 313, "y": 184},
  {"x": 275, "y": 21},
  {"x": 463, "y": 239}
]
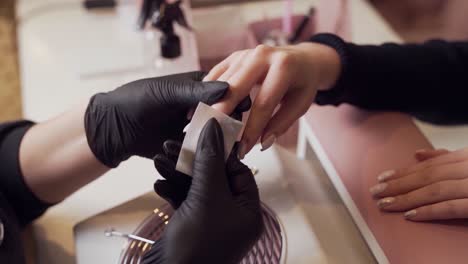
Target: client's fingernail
[
  {"x": 410, "y": 214},
  {"x": 374, "y": 190},
  {"x": 420, "y": 151},
  {"x": 268, "y": 142},
  {"x": 186, "y": 128},
  {"x": 382, "y": 203},
  {"x": 385, "y": 175},
  {"x": 242, "y": 150},
  {"x": 190, "y": 113}
]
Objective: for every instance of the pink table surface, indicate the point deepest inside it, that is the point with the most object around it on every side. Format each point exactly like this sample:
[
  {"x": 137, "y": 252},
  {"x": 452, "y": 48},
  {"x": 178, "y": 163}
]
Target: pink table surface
[{"x": 361, "y": 145}]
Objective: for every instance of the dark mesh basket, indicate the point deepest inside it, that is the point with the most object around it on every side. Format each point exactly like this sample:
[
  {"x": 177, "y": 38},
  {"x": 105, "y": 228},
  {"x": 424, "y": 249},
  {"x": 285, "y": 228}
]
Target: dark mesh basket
[{"x": 267, "y": 250}]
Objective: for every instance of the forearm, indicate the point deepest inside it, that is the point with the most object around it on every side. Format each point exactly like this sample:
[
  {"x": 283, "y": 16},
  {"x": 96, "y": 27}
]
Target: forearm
[
  {"x": 55, "y": 158},
  {"x": 427, "y": 80}
]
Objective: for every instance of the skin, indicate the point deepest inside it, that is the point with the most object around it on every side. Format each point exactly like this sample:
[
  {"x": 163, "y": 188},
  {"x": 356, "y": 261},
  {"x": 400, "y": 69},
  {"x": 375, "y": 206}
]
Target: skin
[
  {"x": 436, "y": 188},
  {"x": 55, "y": 157},
  {"x": 56, "y": 160},
  {"x": 289, "y": 78}
]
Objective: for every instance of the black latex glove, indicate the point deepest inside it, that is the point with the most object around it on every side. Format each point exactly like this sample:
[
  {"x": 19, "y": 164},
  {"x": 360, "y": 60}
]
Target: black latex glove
[
  {"x": 136, "y": 118},
  {"x": 175, "y": 186},
  {"x": 220, "y": 219}
]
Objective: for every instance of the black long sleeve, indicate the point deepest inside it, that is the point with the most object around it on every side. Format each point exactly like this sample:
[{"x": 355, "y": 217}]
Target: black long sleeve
[
  {"x": 429, "y": 81},
  {"x": 26, "y": 206}
]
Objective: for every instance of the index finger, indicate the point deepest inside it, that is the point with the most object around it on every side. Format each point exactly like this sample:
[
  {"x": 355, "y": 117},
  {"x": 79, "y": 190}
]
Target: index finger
[
  {"x": 221, "y": 67},
  {"x": 244, "y": 79},
  {"x": 448, "y": 158}
]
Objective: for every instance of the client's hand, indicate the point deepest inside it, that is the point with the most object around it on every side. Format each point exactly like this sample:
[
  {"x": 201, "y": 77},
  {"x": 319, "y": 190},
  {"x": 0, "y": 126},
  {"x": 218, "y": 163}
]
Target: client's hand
[
  {"x": 218, "y": 216},
  {"x": 436, "y": 188},
  {"x": 138, "y": 117},
  {"x": 289, "y": 77}
]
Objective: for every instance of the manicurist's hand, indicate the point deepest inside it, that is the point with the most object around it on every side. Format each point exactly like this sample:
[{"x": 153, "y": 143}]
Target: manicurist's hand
[
  {"x": 217, "y": 217},
  {"x": 289, "y": 77},
  {"x": 435, "y": 188},
  {"x": 138, "y": 117}
]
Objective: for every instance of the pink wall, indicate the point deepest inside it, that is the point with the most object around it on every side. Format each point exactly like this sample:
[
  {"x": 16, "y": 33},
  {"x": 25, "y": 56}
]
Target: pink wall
[
  {"x": 419, "y": 20},
  {"x": 334, "y": 16}
]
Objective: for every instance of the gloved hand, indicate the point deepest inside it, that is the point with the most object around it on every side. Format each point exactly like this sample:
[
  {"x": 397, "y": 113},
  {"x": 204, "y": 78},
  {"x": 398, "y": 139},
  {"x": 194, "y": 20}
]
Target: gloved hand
[
  {"x": 175, "y": 186},
  {"x": 136, "y": 118},
  {"x": 220, "y": 219}
]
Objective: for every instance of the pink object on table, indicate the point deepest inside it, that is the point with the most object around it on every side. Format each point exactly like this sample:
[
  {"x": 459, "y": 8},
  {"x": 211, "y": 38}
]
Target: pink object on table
[
  {"x": 287, "y": 16},
  {"x": 334, "y": 16},
  {"x": 361, "y": 145},
  {"x": 261, "y": 29}
]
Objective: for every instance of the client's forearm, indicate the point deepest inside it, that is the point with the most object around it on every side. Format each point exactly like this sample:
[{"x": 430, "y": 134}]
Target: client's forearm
[{"x": 55, "y": 158}]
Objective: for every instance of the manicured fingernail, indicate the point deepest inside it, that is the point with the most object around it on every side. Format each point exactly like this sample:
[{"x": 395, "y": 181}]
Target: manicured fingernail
[
  {"x": 410, "y": 214},
  {"x": 420, "y": 151},
  {"x": 241, "y": 151},
  {"x": 382, "y": 203},
  {"x": 186, "y": 128},
  {"x": 385, "y": 175},
  {"x": 190, "y": 113},
  {"x": 268, "y": 142},
  {"x": 374, "y": 190}
]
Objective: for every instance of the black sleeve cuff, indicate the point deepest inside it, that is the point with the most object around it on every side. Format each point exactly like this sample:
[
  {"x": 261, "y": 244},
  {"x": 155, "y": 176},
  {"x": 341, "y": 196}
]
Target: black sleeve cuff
[
  {"x": 24, "y": 202},
  {"x": 334, "y": 96}
]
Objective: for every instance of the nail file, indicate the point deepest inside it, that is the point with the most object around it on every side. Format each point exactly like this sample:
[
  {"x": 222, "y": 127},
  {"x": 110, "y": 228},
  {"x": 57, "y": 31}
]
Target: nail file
[{"x": 231, "y": 129}]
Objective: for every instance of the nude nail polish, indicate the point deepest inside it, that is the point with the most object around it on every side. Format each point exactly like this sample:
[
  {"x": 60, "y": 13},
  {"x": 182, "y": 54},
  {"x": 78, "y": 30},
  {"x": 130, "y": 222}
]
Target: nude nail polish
[
  {"x": 268, "y": 142},
  {"x": 410, "y": 214},
  {"x": 374, "y": 190},
  {"x": 420, "y": 151},
  {"x": 385, "y": 175},
  {"x": 382, "y": 203}
]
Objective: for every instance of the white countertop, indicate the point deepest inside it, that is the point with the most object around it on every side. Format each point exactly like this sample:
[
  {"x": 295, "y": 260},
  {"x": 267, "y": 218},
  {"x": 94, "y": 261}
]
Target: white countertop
[
  {"x": 68, "y": 54},
  {"x": 314, "y": 222}
]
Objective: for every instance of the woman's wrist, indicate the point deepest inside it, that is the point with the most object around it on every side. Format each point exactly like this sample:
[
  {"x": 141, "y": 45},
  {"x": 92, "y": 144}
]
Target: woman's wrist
[
  {"x": 55, "y": 157},
  {"x": 325, "y": 63}
]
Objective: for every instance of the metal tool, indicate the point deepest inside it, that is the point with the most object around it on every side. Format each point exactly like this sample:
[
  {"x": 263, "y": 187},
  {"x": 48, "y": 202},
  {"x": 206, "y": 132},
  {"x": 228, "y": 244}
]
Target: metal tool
[
  {"x": 254, "y": 170},
  {"x": 110, "y": 232}
]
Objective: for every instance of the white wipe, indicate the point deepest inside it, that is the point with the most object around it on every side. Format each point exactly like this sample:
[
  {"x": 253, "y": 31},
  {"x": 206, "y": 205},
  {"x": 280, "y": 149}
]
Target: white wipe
[{"x": 231, "y": 129}]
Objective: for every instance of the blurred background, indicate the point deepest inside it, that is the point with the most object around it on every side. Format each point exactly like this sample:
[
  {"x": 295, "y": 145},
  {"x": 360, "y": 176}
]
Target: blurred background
[
  {"x": 413, "y": 20},
  {"x": 38, "y": 23},
  {"x": 54, "y": 53},
  {"x": 10, "y": 101},
  {"x": 419, "y": 20}
]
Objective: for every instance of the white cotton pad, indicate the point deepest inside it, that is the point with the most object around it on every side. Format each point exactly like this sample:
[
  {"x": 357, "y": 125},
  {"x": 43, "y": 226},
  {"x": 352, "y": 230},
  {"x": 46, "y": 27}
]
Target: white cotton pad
[{"x": 231, "y": 129}]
